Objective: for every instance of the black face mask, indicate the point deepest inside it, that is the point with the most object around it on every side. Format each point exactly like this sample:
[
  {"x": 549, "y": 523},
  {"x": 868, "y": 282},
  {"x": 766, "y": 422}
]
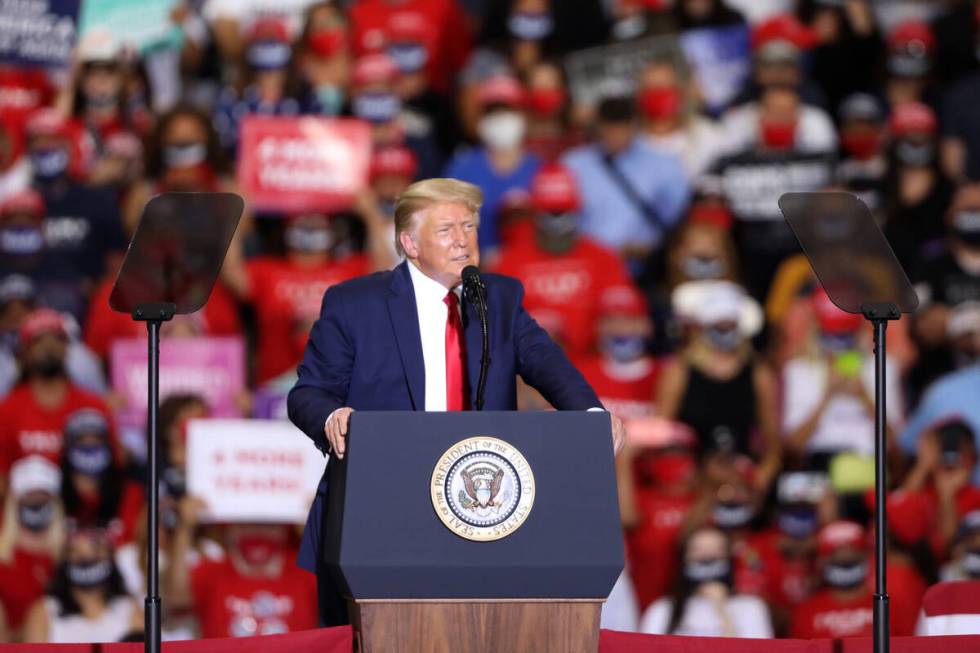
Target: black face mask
[
  {"x": 36, "y": 517},
  {"x": 716, "y": 570},
  {"x": 87, "y": 574},
  {"x": 845, "y": 575},
  {"x": 49, "y": 366},
  {"x": 966, "y": 226}
]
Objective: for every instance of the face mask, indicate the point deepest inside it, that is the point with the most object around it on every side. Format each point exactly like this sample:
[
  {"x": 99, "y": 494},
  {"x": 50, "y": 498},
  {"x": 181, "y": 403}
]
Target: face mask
[
  {"x": 89, "y": 573},
  {"x": 628, "y": 28},
  {"x": 729, "y": 516},
  {"x": 623, "y": 349},
  {"x": 659, "y": 103},
  {"x": 327, "y": 42},
  {"x": 174, "y": 482},
  {"x": 306, "y": 240},
  {"x": 528, "y": 26},
  {"x": 861, "y": 145},
  {"x": 545, "y": 102},
  {"x": 410, "y": 57},
  {"x": 258, "y": 550},
  {"x": 102, "y": 101},
  {"x": 845, "y": 575},
  {"x": 778, "y": 135},
  {"x": 35, "y": 517},
  {"x": 718, "y": 570},
  {"x": 184, "y": 155},
  {"x": 89, "y": 459},
  {"x": 49, "y": 366},
  {"x": 798, "y": 523},
  {"x": 21, "y": 241},
  {"x": 723, "y": 339},
  {"x": 838, "y": 342},
  {"x": 49, "y": 163},
  {"x": 330, "y": 99},
  {"x": 502, "y": 130},
  {"x": 376, "y": 107},
  {"x": 703, "y": 267},
  {"x": 967, "y": 226},
  {"x": 916, "y": 155},
  {"x": 557, "y": 225},
  {"x": 971, "y": 563},
  {"x": 268, "y": 55},
  {"x": 672, "y": 468}
]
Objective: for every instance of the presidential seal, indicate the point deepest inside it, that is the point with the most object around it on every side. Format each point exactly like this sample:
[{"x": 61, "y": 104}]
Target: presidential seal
[{"x": 482, "y": 489}]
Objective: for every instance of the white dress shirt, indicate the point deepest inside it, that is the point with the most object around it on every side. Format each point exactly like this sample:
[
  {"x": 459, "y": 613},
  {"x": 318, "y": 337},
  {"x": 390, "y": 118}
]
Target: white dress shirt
[{"x": 430, "y": 296}]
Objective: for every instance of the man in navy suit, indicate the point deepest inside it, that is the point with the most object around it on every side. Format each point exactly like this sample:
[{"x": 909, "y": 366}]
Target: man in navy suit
[{"x": 403, "y": 340}]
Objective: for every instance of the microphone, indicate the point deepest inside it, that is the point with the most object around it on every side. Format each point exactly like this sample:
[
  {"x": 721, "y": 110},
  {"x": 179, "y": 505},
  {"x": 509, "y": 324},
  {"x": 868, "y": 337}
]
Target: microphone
[{"x": 476, "y": 293}]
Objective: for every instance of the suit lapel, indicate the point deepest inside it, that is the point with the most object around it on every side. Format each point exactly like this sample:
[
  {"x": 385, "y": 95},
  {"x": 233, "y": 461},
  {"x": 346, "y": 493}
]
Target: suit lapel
[
  {"x": 474, "y": 348},
  {"x": 405, "y": 323}
]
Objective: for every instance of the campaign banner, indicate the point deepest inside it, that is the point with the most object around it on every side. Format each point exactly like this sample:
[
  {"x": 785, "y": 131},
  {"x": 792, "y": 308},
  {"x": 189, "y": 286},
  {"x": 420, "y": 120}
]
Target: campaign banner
[
  {"x": 38, "y": 33},
  {"x": 291, "y": 164},
  {"x": 213, "y": 368},
  {"x": 250, "y": 470},
  {"x": 614, "y": 69},
  {"x": 720, "y": 60},
  {"x": 141, "y": 25}
]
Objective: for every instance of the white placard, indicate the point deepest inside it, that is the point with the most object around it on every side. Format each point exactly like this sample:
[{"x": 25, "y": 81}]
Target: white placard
[{"x": 252, "y": 470}]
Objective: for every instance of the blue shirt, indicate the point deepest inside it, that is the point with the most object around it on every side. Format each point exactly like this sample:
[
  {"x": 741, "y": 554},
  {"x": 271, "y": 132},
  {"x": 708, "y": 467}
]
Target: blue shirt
[
  {"x": 607, "y": 213},
  {"x": 473, "y": 165},
  {"x": 954, "y": 395}
]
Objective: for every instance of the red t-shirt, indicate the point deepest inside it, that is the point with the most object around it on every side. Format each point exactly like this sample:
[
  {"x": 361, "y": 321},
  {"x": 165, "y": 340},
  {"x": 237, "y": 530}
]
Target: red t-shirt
[
  {"x": 27, "y": 427},
  {"x": 219, "y": 317},
  {"x": 651, "y": 547},
  {"x": 439, "y": 25},
  {"x": 824, "y": 616},
  {"x": 563, "y": 291},
  {"x": 627, "y": 390},
  {"x": 287, "y": 300},
  {"x": 24, "y": 579},
  {"x": 789, "y": 580},
  {"x": 753, "y": 555},
  {"x": 228, "y": 604}
]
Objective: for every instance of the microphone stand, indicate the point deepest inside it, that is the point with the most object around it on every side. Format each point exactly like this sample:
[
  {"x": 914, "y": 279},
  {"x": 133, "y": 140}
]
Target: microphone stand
[{"x": 477, "y": 294}]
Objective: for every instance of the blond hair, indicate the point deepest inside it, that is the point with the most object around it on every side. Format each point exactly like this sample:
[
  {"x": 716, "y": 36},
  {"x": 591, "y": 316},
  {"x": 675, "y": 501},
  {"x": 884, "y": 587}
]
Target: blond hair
[{"x": 423, "y": 194}]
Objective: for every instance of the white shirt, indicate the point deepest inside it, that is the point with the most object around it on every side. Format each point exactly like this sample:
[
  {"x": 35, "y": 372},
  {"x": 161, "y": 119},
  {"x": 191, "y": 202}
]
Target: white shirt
[
  {"x": 430, "y": 296},
  {"x": 748, "y": 615}
]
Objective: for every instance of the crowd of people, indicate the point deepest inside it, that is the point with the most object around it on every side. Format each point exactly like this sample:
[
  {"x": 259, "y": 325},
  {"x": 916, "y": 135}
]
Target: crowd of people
[{"x": 639, "y": 211}]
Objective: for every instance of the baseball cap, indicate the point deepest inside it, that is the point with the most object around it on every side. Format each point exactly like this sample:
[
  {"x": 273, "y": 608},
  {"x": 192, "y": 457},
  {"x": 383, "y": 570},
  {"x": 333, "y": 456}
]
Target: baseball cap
[
  {"x": 34, "y": 473},
  {"x": 840, "y": 534},
  {"x": 714, "y": 301},
  {"x": 393, "y": 160},
  {"x": 912, "y": 117},
  {"x": 501, "y": 89},
  {"x": 25, "y": 201},
  {"x": 910, "y": 46},
  {"x": 42, "y": 321},
  {"x": 623, "y": 300},
  {"x": 785, "y": 28},
  {"x": 554, "y": 189},
  {"x": 830, "y": 318}
]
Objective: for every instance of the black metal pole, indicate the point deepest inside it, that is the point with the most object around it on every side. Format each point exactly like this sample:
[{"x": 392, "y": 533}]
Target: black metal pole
[
  {"x": 880, "y": 612},
  {"x": 152, "y": 611}
]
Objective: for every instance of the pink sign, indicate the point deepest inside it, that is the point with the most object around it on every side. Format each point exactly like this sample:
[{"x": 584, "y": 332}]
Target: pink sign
[
  {"x": 302, "y": 164},
  {"x": 213, "y": 368}
]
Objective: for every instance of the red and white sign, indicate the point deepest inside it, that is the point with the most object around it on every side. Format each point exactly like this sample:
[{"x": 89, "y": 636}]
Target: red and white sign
[
  {"x": 250, "y": 470},
  {"x": 303, "y": 164}
]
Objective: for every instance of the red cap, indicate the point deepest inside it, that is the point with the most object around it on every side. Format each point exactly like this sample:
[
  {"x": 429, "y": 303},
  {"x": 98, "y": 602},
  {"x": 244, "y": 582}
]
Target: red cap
[
  {"x": 839, "y": 534},
  {"x": 393, "y": 160},
  {"x": 24, "y": 201},
  {"x": 830, "y": 318},
  {"x": 912, "y": 117},
  {"x": 910, "y": 514},
  {"x": 710, "y": 213},
  {"x": 554, "y": 190},
  {"x": 623, "y": 300},
  {"x": 377, "y": 68},
  {"x": 911, "y": 32},
  {"x": 501, "y": 89},
  {"x": 42, "y": 321},
  {"x": 47, "y": 122},
  {"x": 784, "y": 27},
  {"x": 269, "y": 29}
]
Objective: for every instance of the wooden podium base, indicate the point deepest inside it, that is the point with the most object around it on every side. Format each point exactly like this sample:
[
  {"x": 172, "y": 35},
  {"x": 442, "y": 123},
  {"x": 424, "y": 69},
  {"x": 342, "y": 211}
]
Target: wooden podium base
[{"x": 463, "y": 626}]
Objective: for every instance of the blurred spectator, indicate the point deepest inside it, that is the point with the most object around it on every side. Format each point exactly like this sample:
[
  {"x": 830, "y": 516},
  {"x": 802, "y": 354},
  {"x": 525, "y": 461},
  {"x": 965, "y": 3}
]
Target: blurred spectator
[
  {"x": 704, "y": 603},
  {"x": 323, "y": 61},
  {"x": 716, "y": 385},
  {"x": 566, "y": 275},
  {"x": 702, "y": 249},
  {"x": 863, "y": 166},
  {"x": 393, "y": 168},
  {"x": 15, "y": 167},
  {"x": 31, "y": 537},
  {"x": 956, "y": 41},
  {"x": 34, "y": 414},
  {"x": 843, "y": 607},
  {"x": 964, "y": 563},
  {"x": 632, "y": 195},
  {"x": 501, "y": 163},
  {"x": 550, "y": 130},
  {"x": 911, "y": 44},
  {"x": 827, "y": 392},
  {"x": 231, "y": 21},
  {"x": 527, "y": 31},
  {"x": 86, "y": 601},
  {"x": 699, "y": 14},
  {"x": 961, "y": 131}
]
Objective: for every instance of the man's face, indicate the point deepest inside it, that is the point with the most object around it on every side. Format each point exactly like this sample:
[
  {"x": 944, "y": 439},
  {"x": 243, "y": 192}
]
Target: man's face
[{"x": 443, "y": 242}]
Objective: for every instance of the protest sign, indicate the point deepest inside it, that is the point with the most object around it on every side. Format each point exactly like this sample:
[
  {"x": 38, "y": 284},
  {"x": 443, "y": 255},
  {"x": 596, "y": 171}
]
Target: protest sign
[
  {"x": 613, "y": 69},
  {"x": 720, "y": 61},
  {"x": 213, "y": 368},
  {"x": 292, "y": 164},
  {"x": 249, "y": 470},
  {"x": 37, "y": 32},
  {"x": 140, "y": 25}
]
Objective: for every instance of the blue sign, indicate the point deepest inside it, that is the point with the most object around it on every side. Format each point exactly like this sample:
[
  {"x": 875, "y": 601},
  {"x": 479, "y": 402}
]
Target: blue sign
[{"x": 37, "y": 32}]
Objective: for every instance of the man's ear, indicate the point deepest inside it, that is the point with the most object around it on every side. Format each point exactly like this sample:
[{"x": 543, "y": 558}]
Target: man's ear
[{"x": 408, "y": 244}]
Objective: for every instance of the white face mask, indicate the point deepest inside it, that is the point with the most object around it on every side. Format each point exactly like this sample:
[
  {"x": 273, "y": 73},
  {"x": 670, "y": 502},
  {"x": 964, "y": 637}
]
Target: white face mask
[{"x": 502, "y": 130}]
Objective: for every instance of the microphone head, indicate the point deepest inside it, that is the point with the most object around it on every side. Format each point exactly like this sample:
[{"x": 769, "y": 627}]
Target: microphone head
[{"x": 470, "y": 274}]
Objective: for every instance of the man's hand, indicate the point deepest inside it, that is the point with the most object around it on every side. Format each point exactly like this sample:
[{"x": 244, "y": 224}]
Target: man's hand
[
  {"x": 618, "y": 433},
  {"x": 336, "y": 430}
]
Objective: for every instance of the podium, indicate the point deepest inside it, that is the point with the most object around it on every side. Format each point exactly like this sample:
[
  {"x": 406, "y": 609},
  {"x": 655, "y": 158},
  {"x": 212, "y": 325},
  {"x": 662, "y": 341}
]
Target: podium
[{"x": 474, "y": 531}]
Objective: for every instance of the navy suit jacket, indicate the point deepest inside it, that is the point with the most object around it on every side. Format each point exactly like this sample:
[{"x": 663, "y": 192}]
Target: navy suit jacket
[{"x": 365, "y": 352}]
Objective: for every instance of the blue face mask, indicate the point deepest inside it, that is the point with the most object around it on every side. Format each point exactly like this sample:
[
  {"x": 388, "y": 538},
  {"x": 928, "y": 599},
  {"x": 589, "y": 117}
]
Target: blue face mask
[
  {"x": 410, "y": 57},
  {"x": 723, "y": 339},
  {"x": 623, "y": 349},
  {"x": 329, "y": 99},
  {"x": 530, "y": 26},
  {"x": 798, "y": 522},
  {"x": 49, "y": 163},
  {"x": 376, "y": 107},
  {"x": 21, "y": 241},
  {"x": 89, "y": 459}
]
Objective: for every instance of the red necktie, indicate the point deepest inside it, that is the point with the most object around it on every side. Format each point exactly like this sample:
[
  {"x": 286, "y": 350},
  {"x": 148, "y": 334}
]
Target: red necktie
[{"x": 457, "y": 396}]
